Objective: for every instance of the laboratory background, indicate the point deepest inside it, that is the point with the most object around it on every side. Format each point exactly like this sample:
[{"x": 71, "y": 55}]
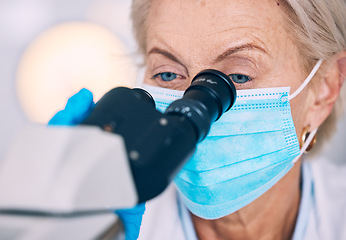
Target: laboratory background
[{"x": 50, "y": 49}]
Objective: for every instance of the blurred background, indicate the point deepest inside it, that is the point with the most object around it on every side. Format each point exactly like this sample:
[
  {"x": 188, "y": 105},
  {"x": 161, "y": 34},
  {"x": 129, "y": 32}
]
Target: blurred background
[{"x": 49, "y": 49}]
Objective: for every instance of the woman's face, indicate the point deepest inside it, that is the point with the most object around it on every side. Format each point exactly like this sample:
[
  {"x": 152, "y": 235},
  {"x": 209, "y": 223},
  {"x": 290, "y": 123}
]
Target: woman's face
[{"x": 246, "y": 40}]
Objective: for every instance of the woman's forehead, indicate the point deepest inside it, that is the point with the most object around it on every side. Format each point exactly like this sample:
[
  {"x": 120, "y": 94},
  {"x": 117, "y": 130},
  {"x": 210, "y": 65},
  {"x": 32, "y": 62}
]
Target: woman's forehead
[
  {"x": 204, "y": 23},
  {"x": 213, "y": 9}
]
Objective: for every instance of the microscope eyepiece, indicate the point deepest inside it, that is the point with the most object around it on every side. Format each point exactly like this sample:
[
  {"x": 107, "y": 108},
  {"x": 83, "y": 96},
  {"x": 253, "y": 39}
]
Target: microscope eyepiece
[
  {"x": 143, "y": 95},
  {"x": 210, "y": 94}
]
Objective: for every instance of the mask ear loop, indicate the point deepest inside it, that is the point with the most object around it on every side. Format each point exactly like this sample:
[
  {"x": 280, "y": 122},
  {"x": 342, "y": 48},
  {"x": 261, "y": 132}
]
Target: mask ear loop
[
  {"x": 290, "y": 97},
  {"x": 306, "y": 144},
  {"x": 307, "y": 80}
]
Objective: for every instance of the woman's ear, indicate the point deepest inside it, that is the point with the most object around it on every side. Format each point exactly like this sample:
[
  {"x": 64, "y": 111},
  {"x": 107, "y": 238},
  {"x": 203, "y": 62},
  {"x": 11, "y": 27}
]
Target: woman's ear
[{"x": 327, "y": 90}]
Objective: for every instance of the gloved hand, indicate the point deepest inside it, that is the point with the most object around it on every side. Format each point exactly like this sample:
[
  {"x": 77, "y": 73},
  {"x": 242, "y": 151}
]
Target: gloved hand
[
  {"x": 132, "y": 219},
  {"x": 78, "y": 107}
]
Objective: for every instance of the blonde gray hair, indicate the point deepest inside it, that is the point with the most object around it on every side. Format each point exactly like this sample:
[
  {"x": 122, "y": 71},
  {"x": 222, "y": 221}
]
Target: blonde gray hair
[{"x": 319, "y": 29}]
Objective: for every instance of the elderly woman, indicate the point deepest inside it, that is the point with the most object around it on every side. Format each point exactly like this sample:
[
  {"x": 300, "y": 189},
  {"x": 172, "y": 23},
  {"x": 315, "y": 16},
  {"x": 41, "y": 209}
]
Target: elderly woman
[{"x": 248, "y": 180}]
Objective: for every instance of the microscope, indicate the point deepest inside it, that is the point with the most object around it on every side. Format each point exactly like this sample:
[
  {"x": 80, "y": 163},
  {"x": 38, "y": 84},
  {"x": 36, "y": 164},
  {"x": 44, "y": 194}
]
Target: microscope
[{"x": 124, "y": 153}]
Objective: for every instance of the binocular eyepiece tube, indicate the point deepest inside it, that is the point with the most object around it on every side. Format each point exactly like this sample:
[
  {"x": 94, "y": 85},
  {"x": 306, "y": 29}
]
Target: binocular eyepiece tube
[
  {"x": 157, "y": 151},
  {"x": 210, "y": 94}
]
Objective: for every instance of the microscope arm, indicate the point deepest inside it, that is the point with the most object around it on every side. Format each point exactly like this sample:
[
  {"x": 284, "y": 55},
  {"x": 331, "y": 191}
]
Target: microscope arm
[{"x": 62, "y": 170}]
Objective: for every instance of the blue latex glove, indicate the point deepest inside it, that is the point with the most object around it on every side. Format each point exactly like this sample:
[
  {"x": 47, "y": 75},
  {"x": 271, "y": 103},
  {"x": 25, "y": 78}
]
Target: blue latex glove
[
  {"x": 132, "y": 219},
  {"x": 79, "y": 107}
]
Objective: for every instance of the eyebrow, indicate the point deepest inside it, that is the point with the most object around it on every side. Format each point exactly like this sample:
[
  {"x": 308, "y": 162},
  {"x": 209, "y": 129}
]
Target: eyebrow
[
  {"x": 220, "y": 58},
  {"x": 166, "y": 54},
  {"x": 236, "y": 49}
]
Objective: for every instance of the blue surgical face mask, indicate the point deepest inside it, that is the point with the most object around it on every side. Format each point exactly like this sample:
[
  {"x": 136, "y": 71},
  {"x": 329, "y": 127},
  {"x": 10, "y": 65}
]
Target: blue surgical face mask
[{"x": 247, "y": 151}]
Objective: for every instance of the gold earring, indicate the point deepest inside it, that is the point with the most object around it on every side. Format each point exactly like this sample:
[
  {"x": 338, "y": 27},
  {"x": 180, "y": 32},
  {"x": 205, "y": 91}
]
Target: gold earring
[{"x": 305, "y": 136}]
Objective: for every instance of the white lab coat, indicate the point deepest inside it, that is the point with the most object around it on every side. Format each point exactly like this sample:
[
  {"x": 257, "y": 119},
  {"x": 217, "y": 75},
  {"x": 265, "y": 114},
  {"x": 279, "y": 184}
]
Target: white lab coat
[{"x": 326, "y": 218}]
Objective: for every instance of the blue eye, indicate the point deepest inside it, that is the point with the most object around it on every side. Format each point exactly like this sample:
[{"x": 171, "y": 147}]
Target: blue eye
[
  {"x": 240, "y": 78},
  {"x": 166, "y": 76}
]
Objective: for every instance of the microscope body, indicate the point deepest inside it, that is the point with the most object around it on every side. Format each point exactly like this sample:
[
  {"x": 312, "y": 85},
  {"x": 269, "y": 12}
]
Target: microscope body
[
  {"x": 157, "y": 144},
  {"x": 126, "y": 152}
]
